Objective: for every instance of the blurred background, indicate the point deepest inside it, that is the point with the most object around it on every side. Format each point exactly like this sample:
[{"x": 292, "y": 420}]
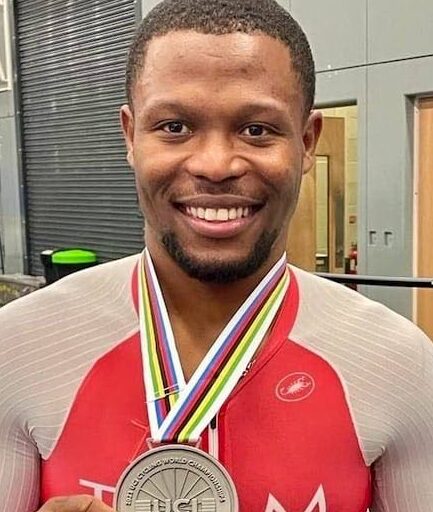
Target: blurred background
[{"x": 366, "y": 208}]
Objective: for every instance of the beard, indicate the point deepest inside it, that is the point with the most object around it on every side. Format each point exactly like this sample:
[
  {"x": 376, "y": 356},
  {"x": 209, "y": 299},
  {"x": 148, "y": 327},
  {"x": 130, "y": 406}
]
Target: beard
[{"x": 215, "y": 271}]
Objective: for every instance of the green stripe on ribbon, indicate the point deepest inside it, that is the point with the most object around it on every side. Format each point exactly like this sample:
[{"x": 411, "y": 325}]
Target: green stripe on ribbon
[{"x": 225, "y": 374}]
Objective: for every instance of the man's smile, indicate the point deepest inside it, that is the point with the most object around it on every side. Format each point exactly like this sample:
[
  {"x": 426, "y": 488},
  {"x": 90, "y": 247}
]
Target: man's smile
[
  {"x": 218, "y": 216},
  {"x": 218, "y": 153}
]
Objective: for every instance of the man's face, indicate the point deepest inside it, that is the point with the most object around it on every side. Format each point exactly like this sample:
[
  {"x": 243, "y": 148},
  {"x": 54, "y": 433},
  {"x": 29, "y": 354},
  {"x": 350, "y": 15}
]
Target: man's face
[{"x": 218, "y": 140}]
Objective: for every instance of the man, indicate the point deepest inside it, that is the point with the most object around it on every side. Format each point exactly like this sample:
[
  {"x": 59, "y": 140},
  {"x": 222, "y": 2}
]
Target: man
[{"x": 332, "y": 408}]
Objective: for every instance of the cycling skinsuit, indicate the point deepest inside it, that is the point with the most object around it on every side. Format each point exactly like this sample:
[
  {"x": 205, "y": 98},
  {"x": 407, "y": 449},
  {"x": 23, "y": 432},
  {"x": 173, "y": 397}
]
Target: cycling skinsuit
[{"x": 334, "y": 415}]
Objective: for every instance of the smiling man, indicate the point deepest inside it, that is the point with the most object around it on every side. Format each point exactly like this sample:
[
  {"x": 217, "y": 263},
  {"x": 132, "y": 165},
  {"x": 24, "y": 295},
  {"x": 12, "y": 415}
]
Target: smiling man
[
  {"x": 206, "y": 374},
  {"x": 219, "y": 131}
]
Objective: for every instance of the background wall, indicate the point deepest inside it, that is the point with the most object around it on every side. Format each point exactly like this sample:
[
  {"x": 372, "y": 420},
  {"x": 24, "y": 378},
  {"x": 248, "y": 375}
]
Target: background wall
[
  {"x": 11, "y": 200},
  {"x": 373, "y": 53},
  {"x": 379, "y": 55}
]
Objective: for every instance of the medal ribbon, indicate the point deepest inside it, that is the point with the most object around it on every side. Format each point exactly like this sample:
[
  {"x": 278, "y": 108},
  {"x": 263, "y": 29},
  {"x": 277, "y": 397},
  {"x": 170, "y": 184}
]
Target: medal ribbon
[{"x": 179, "y": 412}]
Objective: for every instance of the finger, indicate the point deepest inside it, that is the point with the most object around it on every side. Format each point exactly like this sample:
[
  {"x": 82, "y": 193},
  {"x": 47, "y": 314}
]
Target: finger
[
  {"x": 97, "y": 506},
  {"x": 81, "y": 503}
]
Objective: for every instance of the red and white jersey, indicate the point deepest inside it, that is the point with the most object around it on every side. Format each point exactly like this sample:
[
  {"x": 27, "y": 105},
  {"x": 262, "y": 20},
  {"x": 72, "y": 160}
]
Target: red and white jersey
[{"x": 335, "y": 414}]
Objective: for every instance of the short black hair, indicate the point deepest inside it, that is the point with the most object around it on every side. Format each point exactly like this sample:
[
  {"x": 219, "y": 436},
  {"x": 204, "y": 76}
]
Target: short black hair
[{"x": 225, "y": 17}]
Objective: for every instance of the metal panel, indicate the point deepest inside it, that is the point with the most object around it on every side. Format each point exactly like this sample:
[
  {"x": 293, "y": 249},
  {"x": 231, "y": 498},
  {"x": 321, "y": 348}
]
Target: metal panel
[
  {"x": 335, "y": 29},
  {"x": 79, "y": 190},
  {"x": 11, "y": 228},
  {"x": 391, "y": 90},
  {"x": 399, "y": 29},
  {"x": 12, "y": 225}
]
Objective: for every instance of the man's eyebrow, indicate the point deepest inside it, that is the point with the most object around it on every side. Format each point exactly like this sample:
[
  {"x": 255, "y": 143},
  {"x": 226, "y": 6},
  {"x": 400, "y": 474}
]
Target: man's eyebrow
[
  {"x": 263, "y": 107},
  {"x": 164, "y": 105},
  {"x": 245, "y": 110}
]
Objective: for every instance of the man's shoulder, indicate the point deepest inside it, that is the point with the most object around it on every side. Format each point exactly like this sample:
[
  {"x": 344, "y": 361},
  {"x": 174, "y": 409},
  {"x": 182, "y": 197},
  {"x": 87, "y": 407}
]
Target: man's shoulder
[
  {"x": 383, "y": 361},
  {"x": 93, "y": 292},
  {"x": 326, "y": 307}
]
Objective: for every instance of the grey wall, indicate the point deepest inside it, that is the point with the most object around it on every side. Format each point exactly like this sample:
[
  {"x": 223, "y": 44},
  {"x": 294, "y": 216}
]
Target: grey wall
[
  {"x": 379, "y": 54},
  {"x": 337, "y": 30},
  {"x": 11, "y": 207},
  {"x": 376, "y": 53},
  {"x": 11, "y": 219},
  {"x": 363, "y": 32}
]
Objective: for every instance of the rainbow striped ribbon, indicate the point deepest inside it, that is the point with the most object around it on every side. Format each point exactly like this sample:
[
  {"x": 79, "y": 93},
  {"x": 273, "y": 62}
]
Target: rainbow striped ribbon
[{"x": 180, "y": 411}]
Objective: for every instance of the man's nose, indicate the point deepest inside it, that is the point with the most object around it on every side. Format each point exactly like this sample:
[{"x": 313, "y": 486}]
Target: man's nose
[{"x": 216, "y": 159}]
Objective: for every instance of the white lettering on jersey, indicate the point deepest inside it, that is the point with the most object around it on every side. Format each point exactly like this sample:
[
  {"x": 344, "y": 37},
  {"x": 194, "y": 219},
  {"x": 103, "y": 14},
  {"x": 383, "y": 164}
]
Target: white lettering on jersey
[
  {"x": 98, "y": 489},
  {"x": 273, "y": 505}
]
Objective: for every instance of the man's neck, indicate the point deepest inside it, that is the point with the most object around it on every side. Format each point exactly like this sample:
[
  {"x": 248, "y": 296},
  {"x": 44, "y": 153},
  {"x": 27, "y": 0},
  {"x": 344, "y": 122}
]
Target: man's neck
[{"x": 199, "y": 311}]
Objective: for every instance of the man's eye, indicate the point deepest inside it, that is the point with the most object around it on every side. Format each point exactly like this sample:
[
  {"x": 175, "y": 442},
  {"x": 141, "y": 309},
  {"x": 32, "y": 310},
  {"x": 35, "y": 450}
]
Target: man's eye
[
  {"x": 255, "y": 130},
  {"x": 176, "y": 127}
]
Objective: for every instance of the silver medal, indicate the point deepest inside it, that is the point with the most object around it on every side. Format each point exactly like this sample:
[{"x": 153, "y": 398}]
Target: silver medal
[{"x": 175, "y": 478}]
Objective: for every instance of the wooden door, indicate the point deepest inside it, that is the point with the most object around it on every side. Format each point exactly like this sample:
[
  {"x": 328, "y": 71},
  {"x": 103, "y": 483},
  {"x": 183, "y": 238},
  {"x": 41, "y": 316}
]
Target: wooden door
[
  {"x": 424, "y": 220},
  {"x": 301, "y": 243}
]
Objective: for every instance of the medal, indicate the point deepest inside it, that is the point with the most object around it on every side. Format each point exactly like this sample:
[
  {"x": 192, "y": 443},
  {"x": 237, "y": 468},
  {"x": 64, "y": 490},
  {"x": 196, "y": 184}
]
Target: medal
[{"x": 176, "y": 477}]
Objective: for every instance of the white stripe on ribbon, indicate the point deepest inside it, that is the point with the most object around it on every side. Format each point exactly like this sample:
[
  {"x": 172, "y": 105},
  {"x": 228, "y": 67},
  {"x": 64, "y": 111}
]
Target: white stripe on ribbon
[{"x": 158, "y": 431}]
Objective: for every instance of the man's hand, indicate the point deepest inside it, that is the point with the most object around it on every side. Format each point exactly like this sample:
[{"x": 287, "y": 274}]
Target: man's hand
[{"x": 82, "y": 503}]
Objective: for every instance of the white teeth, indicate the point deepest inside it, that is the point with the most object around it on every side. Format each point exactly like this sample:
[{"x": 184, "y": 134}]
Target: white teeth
[
  {"x": 222, "y": 214},
  {"x": 210, "y": 214},
  {"x": 218, "y": 214},
  {"x": 232, "y": 214}
]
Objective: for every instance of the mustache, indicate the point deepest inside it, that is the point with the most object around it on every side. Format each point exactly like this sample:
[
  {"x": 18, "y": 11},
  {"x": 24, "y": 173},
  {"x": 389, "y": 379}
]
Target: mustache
[{"x": 213, "y": 189}]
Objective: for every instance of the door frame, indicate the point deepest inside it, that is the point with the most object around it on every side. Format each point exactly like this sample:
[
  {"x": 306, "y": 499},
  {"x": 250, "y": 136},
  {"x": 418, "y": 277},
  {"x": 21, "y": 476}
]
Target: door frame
[
  {"x": 301, "y": 240},
  {"x": 423, "y": 211}
]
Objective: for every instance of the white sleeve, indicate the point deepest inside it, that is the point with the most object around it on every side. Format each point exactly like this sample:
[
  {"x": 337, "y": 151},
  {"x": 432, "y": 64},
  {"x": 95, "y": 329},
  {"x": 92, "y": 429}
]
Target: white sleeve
[
  {"x": 19, "y": 457},
  {"x": 403, "y": 475},
  {"x": 19, "y": 469},
  {"x": 49, "y": 340},
  {"x": 386, "y": 365}
]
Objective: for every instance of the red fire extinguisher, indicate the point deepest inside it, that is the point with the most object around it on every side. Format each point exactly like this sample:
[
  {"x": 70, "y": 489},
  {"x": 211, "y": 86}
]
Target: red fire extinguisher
[
  {"x": 353, "y": 258},
  {"x": 353, "y": 263}
]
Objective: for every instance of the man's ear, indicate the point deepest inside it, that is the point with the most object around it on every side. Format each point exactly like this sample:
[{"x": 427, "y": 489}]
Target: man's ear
[
  {"x": 312, "y": 131},
  {"x": 127, "y": 123}
]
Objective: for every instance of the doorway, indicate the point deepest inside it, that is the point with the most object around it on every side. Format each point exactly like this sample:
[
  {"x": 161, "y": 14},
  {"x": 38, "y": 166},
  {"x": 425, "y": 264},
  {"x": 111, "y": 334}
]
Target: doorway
[{"x": 323, "y": 231}]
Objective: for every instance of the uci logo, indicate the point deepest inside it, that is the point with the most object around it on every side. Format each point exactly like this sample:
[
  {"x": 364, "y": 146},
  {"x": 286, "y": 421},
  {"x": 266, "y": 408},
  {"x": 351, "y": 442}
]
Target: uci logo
[
  {"x": 295, "y": 387},
  {"x": 179, "y": 505}
]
